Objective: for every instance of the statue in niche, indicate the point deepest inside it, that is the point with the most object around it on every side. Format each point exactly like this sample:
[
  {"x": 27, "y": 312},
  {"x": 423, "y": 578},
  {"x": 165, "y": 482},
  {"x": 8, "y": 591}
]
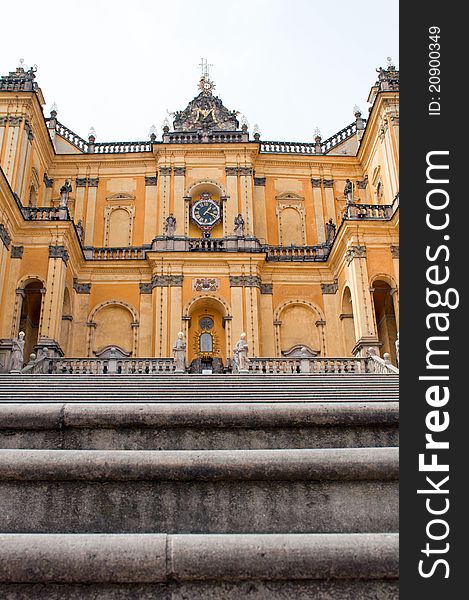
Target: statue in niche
[
  {"x": 179, "y": 353},
  {"x": 330, "y": 232},
  {"x": 239, "y": 226},
  {"x": 17, "y": 353},
  {"x": 348, "y": 191},
  {"x": 64, "y": 194},
  {"x": 170, "y": 226},
  {"x": 240, "y": 356}
]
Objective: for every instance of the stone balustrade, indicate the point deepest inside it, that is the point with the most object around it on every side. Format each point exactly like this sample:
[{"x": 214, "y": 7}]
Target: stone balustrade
[
  {"x": 383, "y": 366},
  {"x": 292, "y": 365},
  {"x": 297, "y": 253},
  {"x": 102, "y": 366},
  {"x": 377, "y": 212},
  {"x": 124, "y": 253},
  {"x": 45, "y": 213}
]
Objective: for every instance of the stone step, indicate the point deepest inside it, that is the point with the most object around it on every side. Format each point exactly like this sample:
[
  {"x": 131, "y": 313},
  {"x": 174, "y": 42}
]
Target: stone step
[
  {"x": 199, "y": 567},
  {"x": 224, "y": 491},
  {"x": 182, "y": 426}
]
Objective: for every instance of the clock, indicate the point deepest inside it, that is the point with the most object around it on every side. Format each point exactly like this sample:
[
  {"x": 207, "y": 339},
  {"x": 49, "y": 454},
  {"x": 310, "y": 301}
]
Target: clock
[{"x": 205, "y": 212}]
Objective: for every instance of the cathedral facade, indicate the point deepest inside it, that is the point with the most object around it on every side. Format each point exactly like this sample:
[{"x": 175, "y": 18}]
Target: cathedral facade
[{"x": 206, "y": 230}]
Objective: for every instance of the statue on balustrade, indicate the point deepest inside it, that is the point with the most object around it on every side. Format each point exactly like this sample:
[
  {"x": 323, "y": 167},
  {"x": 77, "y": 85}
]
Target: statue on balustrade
[
  {"x": 170, "y": 226},
  {"x": 79, "y": 228},
  {"x": 330, "y": 232},
  {"x": 17, "y": 353},
  {"x": 239, "y": 226},
  {"x": 64, "y": 194},
  {"x": 348, "y": 192},
  {"x": 179, "y": 353},
  {"x": 240, "y": 356}
]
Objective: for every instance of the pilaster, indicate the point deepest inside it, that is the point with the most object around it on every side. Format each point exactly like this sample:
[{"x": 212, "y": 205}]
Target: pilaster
[
  {"x": 179, "y": 202},
  {"x": 333, "y": 332},
  {"x": 54, "y": 296},
  {"x": 151, "y": 207}
]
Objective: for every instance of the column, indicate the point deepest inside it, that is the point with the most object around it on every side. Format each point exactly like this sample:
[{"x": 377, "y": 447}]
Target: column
[
  {"x": 91, "y": 211},
  {"x": 230, "y": 207},
  {"x": 81, "y": 305},
  {"x": 49, "y": 329},
  {"x": 179, "y": 209},
  {"x": 160, "y": 314},
  {"x": 175, "y": 298},
  {"x": 395, "y": 292},
  {"x": 331, "y": 212},
  {"x": 23, "y": 164},
  {"x": 10, "y": 302},
  {"x": 252, "y": 294},
  {"x": 237, "y": 312},
  {"x": 260, "y": 216},
  {"x": 362, "y": 303},
  {"x": 145, "y": 341},
  {"x": 245, "y": 190},
  {"x": 80, "y": 189},
  {"x": 164, "y": 196},
  {"x": 318, "y": 212},
  {"x": 150, "y": 227},
  {"x": 12, "y": 133},
  {"x": 5, "y": 241},
  {"x": 267, "y": 342},
  {"x": 331, "y": 312}
]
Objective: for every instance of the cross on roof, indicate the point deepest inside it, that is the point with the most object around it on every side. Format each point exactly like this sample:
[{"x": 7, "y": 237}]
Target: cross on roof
[{"x": 204, "y": 67}]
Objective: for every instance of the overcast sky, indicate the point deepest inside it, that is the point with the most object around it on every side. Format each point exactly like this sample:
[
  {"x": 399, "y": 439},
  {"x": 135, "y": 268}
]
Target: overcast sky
[{"x": 288, "y": 65}]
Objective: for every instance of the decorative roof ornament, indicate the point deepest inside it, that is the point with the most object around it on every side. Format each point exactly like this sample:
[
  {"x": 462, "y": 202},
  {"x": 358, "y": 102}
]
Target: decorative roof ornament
[
  {"x": 388, "y": 79},
  {"x": 165, "y": 125},
  {"x": 356, "y": 111},
  {"x": 54, "y": 110},
  {"x": 205, "y": 112},
  {"x": 92, "y": 134},
  {"x": 256, "y": 132},
  {"x": 317, "y": 133},
  {"x": 152, "y": 133},
  {"x": 20, "y": 80}
]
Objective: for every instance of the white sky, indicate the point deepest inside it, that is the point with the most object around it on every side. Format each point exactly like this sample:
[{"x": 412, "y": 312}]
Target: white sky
[{"x": 288, "y": 65}]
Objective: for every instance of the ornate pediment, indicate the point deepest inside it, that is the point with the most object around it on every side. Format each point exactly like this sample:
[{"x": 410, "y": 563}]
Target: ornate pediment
[{"x": 206, "y": 112}]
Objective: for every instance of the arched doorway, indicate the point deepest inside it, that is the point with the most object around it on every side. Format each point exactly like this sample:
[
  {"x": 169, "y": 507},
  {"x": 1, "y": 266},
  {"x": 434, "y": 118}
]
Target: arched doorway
[
  {"x": 207, "y": 335},
  {"x": 30, "y": 318},
  {"x": 348, "y": 323},
  {"x": 385, "y": 317}
]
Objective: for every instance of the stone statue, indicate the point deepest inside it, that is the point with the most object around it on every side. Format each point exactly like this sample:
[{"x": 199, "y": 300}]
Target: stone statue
[
  {"x": 179, "y": 353},
  {"x": 240, "y": 356},
  {"x": 17, "y": 353},
  {"x": 330, "y": 232},
  {"x": 170, "y": 226},
  {"x": 64, "y": 194},
  {"x": 79, "y": 227},
  {"x": 348, "y": 191},
  {"x": 239, "y": 226},
  {"x": 397, "y": 349}
]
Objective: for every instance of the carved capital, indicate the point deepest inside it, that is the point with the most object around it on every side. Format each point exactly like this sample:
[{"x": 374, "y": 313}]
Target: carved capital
[
  {"x": 151, "y": 180},
  {"x": 231, "y": 171},
  {"x": 316, "y": 182},
  {"x": 394, "y": 251},
  {"x": 355, "y": 252},
  {"x": 329, "y": 288},
  {"x": 260, "y": 181},
  {"x": 81, "y": 288},
  {"x": 93, "y": 181},
  {"x": 245, "y": 171},
  {"x": 80, "y": 182},
  {"x": 5, "y": 236},
  {"x": 58, "y": 252},
  {"x": 178, "y": 171},
  {"x": 48, "y": 181},
  {"x": 165, "y": 171},
  {"x": 267, "y": 288},
  {"x": 146, "y": 288},
  {"x": 361, "y": 185},
  {"x": 245, "y": 281},
  {"x": 17, "y": 251},
  {"x": 167, "y": 280},
  {"x": 328, "y": 183}
]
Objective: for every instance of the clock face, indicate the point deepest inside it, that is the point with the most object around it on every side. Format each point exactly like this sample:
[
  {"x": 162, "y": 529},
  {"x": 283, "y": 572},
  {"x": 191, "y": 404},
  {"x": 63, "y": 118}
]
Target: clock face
[{"x": 205, "y": 212}]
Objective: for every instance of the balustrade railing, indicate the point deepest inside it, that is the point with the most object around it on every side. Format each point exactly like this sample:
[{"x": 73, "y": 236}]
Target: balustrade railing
[
  {"x": 383, "y": 366},
  {"x": 124, "y": 253},
  {"x": 297, "y": 253},
  {"x": 44, "y": 213},
  {"x": 103, "y": 366},
  {"x": 339, "y": 137},
  {"x": 206, "y": 245},
  {"x": 307, "y": 365},
  {"x": 121, "y": 147},
  {"x": 71, "y": 136},
  {"x": 355, "y": 212}
]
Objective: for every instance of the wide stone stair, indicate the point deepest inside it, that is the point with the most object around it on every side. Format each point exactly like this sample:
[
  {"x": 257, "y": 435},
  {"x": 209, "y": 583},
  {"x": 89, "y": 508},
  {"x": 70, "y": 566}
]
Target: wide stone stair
[{"x": 199, "y": 487}]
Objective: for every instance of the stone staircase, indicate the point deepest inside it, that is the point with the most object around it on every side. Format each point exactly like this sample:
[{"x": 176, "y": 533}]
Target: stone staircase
[{"x": 199, "y": 487}]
